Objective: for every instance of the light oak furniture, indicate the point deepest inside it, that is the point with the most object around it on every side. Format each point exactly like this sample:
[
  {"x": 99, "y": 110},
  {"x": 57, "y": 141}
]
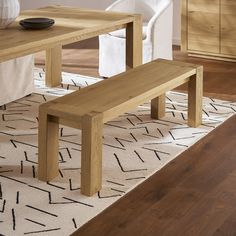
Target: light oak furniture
[
  {"x": 157, "y": 34},
  {"x": 209, "y": 28},
  {"x": 71, "y": 25},
  {"x": 88, "y": 109}
]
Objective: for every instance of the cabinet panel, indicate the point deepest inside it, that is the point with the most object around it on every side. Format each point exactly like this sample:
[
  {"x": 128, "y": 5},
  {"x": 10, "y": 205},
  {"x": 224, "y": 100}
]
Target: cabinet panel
[
  {"x": 203, "y": 25},
  {"x": 228, "y": 27}
]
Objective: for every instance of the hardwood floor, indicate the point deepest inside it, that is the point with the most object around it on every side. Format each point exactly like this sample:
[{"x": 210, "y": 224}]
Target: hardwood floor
[
  {"x": 81, "y": 61},
  {"x": 219, "y": 76},
  {"x": 194, "y": 194}
]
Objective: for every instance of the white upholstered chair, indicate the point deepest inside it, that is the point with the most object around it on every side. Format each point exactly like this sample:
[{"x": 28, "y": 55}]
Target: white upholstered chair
[
  {"x": 157, "y": 34},
  {"x": 16, "y": 79}
]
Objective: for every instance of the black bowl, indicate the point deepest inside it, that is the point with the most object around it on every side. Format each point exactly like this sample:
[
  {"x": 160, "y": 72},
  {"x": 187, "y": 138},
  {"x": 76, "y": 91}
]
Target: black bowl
[{"x": 36, "y": 23}]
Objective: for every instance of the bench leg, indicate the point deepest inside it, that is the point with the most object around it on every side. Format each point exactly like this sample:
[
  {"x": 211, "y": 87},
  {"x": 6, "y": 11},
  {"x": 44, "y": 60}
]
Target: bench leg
[
  {"x": 158, "y": 106},
  {"x": 91, "y": 160},
  {"x": 48, "y": 146},
  {"x": 195, "y": 91}
]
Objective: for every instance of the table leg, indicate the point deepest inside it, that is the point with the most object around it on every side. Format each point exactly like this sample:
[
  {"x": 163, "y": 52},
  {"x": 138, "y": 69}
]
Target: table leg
[
  {"x": 47, "y": 146},
  {"x": 91, "y": 160},
  {"x": 195, "y": 93},
  {"x": 158, "y": 106},
  {"x": 53, "y": 66},
  {"x": 134, "y": 42}
]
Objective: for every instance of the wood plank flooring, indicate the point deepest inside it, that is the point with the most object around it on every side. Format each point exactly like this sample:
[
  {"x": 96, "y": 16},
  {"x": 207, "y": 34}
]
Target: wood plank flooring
[
  {"x": 194, "y": 194},
  {"x": 219, "y": 76}
]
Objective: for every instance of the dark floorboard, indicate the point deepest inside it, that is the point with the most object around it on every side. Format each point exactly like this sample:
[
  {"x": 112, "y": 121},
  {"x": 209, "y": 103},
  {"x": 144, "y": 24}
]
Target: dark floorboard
[{"x": 195, "y": 194}]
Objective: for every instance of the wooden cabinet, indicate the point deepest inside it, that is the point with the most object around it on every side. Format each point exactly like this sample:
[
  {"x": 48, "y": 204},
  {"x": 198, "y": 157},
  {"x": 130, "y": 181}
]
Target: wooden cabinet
[
  {"x": 228, "y": 27},
  {"x": 208, "y": 28},
  {"x": 203, "y": 25}
]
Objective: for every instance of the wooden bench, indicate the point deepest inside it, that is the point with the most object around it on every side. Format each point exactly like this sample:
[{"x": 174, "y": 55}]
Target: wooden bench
[{"x": 89, "y": 108}]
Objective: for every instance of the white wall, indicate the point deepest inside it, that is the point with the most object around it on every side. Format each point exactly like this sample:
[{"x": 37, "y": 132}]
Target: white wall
[
  {"x": 96, "y": 4},
  {"x": 177, "y": 22},
  {"x": 100, "y": 4}
]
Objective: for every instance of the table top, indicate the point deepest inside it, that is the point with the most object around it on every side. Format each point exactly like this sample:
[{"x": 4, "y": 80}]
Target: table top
[{"x": 71, "y": 25}]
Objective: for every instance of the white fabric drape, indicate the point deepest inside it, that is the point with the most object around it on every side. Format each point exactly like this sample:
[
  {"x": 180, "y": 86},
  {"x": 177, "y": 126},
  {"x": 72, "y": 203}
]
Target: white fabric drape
[
  {"x": 16, "y": 79},
  {"x": 157, "y": 35}
]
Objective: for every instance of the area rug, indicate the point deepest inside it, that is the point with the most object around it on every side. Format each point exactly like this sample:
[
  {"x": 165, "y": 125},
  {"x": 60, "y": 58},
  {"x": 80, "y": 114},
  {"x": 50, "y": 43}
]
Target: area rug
[{"x": 134, "y": 148}]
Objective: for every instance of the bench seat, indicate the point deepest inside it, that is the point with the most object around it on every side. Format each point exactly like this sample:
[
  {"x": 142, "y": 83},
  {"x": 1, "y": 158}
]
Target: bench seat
[{"x": 89, "y": 108}]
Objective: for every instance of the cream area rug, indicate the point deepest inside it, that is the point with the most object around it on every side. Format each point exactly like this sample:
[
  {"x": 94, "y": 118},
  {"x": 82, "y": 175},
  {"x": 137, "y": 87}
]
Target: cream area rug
[{"x": 134, "y": 147}]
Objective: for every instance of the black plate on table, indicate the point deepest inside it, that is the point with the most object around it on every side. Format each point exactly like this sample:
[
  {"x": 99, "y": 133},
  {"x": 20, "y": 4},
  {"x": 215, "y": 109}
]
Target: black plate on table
[{"x": 36, "y": 23}]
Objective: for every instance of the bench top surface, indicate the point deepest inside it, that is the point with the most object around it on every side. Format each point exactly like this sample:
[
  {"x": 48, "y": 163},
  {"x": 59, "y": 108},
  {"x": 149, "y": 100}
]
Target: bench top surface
[{"x": 143, "y": 81}]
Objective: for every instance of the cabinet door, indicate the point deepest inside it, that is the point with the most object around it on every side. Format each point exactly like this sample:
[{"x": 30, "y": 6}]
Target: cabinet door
[
  {"x": 228, "y": 27},
  {"x": 204, "y": 25}
]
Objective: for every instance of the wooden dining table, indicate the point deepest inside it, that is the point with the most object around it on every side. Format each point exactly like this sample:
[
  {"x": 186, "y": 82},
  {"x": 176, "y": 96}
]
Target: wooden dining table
[{"x": 71, "y": 25}]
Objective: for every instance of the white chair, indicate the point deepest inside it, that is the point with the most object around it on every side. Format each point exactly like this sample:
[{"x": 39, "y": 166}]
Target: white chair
[
  {"x": 16, "y": 79},
  {"x": 157, "y": 34}
]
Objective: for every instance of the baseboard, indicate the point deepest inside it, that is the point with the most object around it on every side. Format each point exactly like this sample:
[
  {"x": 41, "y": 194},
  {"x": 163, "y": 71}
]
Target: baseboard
[
  {"x": 93, "y": 43},
  {"x": 176, "y": 41}
]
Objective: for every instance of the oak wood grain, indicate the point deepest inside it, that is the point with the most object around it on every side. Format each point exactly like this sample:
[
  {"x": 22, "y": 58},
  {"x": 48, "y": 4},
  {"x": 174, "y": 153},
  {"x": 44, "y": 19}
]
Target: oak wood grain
[
  {"x": 53, "y": 66},
  {"x": 105, "y": 100},
  {"x": 48, "y": 146},
  {"x": 195, "y": 93},
  {"x": 158, "y": 106},
  {"x": 208, "y": 28},
  {"x": 71, "y": 25},
  {"x": 134, "y": 43},
  {"x": 203, "y": 25},
  {"x": 91, "y": 160},
  {"x": 228, "y": 27},
  {"x": 119, "y": 95}
]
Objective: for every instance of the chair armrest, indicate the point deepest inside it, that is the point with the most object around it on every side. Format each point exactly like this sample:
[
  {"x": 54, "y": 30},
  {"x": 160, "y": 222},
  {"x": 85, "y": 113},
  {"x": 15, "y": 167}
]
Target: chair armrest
[
  {"x": 122, "y": 5},
  {"x": 163, "y": 7}
]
